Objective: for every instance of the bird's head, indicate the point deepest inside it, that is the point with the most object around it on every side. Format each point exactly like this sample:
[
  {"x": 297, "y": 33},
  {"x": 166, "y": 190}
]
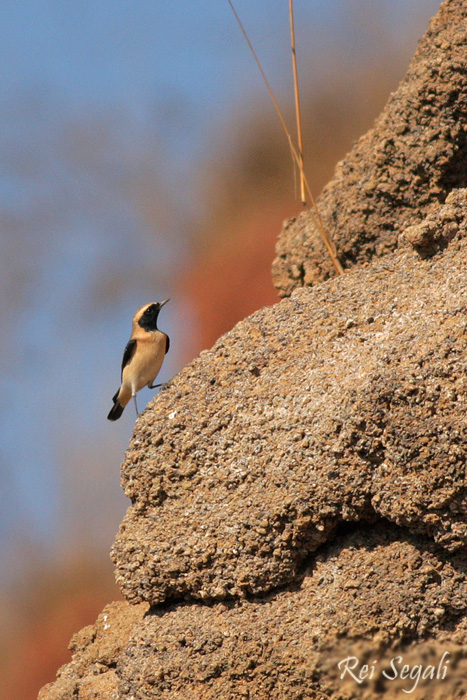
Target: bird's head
[{"x": 147, "y": 315}]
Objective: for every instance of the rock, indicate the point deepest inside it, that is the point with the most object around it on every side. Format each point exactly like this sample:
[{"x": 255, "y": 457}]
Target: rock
[
  {"x": 435, "y": 232},
  {"x": 288, "y": 644},
  {"x": 101, "y": 687},
  {"x": 406, "y": 165},
  {"x": 345, "y": 402},
  {"x": 299, "y": 498},
  {"x": 298, "y": 492},
  {"x": 91, "y": 673}
]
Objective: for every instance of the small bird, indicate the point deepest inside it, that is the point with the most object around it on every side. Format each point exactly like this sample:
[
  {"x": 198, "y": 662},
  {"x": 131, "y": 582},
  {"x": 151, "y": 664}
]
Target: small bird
[{"x": 142, "y": 358}]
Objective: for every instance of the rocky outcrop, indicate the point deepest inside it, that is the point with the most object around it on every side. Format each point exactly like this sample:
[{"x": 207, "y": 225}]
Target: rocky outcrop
[
  {"x": 299, "y": 493},
  {"x": 91, "y": 675},
  {"x": 299, "y": 496},
  {"x": 399, "y": 171},
  {"x": 344, "y": 403},
  {"x": 368, "y": 590}
]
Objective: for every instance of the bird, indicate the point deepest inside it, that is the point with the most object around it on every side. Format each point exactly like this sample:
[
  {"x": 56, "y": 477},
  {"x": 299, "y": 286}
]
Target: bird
[{"x": 142, "y": 357}]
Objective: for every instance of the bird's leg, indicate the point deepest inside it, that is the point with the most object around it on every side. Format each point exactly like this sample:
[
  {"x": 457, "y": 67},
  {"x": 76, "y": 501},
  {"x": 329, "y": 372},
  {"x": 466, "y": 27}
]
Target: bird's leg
[
  {"x": 154, "y": 386},
  {"x": 136, "y": 405}
]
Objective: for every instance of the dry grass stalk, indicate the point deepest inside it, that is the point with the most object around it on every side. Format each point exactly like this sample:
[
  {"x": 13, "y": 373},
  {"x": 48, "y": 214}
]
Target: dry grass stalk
[
  {"x": 298, "y": 160},
  {"x": 297, "y": 104}
]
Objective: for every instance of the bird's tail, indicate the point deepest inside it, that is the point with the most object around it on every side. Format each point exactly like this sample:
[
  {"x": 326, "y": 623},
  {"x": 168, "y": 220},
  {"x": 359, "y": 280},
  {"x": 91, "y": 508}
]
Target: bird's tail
[{"x": 117, "y": 409}]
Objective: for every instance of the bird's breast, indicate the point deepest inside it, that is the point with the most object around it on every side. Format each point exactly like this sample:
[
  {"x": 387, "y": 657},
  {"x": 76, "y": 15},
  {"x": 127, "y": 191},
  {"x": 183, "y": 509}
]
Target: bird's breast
[{"x": 146, "y": 361}]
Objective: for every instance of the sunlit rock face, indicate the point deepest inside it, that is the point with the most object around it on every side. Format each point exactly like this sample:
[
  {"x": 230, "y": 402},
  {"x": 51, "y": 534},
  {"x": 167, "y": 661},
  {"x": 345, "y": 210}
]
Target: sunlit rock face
[
  {"x": 298, "y": 492},
  {"x": 398, "y": 172}
]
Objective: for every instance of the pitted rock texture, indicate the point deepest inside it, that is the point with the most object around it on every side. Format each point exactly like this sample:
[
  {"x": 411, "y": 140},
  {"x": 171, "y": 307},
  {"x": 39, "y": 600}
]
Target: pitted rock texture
[
  {"x": 376, "y": 586},
  {"x": 346, "y": 402},
  {"x": 403, "y": 167},
  {"x": 299, "y": 492},
  {"x": 91, "y": 673},
  {"x": 373, "y": 592}
]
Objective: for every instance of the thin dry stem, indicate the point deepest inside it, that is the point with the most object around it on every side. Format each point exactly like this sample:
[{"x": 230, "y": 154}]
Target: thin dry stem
[
  {"x": 297, "y": 103},
  {"x": 319, "y": 223}
]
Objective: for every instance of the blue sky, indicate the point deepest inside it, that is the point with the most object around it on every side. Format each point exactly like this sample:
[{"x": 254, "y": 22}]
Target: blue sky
[
  {"x": 174, "y": 63},
  {"x": 91, "y": 95}
]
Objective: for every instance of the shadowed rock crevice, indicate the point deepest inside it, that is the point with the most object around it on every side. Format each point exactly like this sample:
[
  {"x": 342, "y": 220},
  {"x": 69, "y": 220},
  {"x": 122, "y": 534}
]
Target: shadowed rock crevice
[{"x": 369, "y": 535}]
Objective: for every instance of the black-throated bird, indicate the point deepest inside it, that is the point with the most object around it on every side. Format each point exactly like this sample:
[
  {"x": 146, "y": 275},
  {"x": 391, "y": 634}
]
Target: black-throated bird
[{"x": 142, "y": 358}]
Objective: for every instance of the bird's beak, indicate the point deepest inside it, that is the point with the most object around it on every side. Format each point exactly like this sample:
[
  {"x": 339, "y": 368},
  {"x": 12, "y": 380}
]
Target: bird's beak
[{"x": 163, "y": 302}]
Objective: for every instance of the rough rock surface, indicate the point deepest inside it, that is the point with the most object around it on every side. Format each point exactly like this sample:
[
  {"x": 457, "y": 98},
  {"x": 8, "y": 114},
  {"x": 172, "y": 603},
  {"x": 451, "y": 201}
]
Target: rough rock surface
[
  {"x": 374, "y": 593},
  {"x": 287, "y": 645},
  {"x": 299, "y": 495},
  {"x": 411, "y": 159},
  {"x": 91, "y": 674},
  {"x": 299, "y": 492},
  {"x": 346, "y": 402}
]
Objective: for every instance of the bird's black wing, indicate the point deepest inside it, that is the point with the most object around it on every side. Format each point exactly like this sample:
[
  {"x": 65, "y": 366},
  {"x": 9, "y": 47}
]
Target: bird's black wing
[
  {"x": 128, "y": 352},
  {"x": 167, "y": 344}
]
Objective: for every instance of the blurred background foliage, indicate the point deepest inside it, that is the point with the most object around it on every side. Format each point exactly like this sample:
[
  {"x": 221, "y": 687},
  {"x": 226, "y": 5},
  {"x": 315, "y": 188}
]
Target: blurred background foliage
[{"x": 140, "y": 158}]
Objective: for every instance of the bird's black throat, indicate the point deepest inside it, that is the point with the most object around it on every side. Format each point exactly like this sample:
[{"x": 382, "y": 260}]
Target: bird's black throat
[{"x": 148, "y": 320}]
